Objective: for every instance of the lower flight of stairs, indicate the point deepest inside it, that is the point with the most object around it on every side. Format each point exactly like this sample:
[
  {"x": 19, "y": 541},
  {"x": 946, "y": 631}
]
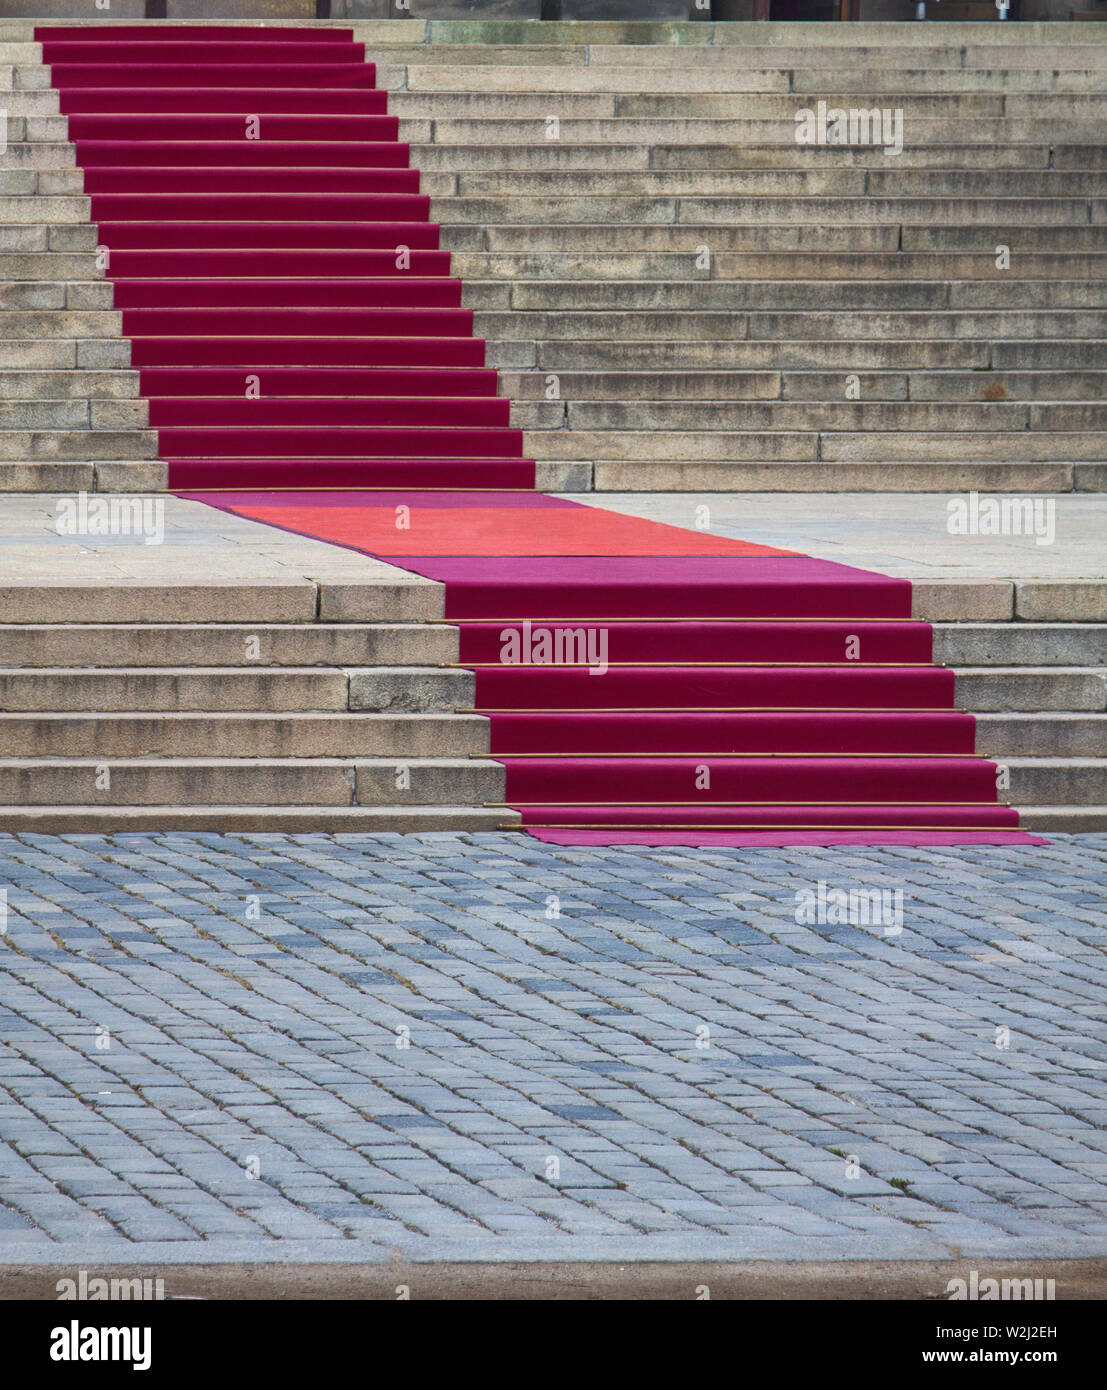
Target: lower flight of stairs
[
  {"x": 346, "y": 726},
  {"x": 262, "y": 725},
  {"x": 1039, "y": 694}
]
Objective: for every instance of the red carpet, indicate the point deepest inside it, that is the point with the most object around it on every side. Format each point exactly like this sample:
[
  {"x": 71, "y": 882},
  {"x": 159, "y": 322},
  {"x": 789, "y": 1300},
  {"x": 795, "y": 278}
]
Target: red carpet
[{"x": 309, "y": 363}]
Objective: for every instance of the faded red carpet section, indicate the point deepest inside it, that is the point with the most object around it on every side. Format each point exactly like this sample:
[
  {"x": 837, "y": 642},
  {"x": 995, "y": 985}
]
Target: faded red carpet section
[
  {"x": 417, "y": 526},
  {"x": 310, "y": 363}
]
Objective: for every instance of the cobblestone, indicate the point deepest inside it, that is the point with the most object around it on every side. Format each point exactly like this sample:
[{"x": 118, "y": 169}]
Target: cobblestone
[{"x": 405, "y": 1047}]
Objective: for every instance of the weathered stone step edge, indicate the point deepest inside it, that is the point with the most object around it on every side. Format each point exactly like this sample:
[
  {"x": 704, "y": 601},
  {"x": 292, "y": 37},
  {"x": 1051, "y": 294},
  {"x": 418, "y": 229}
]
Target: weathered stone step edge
[
  {"x": 322, "y": 781},
  {"x": 1063, "y": 735},
  {"x": 985, "y": 646},
  {"x": 73, "y": 820},
  {"x": 1053, "y": 781},
  {"x": 616, "y": 476},
  {"x": 399, "y": 597},
  {"x": 1030, "y": 689},
  {"x": 1073, "y": 820},
  {"x": 279, "y": 645},
  {"x": 330, "y": 782},
  {"x": 1008, "y": 645},
  {"x": 276, "y": 734},
  {"x": 268, "y": 689}
]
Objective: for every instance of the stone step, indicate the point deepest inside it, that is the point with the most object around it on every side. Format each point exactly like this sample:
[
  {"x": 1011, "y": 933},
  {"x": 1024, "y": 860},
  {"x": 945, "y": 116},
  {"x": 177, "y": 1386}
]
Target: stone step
[
  {"x": 789, "y": 475},
  {"x": 281, "y": 820},
  {"x": 694, "y": 133},
  {"x": 55, "y": 294},
  {"x": 42, "y": 238},
  {"x": 1057, "y": 781},
  {"x": 595, "y": 239},
  {"x": 826, "y": 182},
  {"x": 1061, "y": 735},
  {"x": 1011, "y": 644},
  {"x": 130, "y": 688},
  {"x": 624, "y": 476},
  {"x": 73, "y": 384},
  {"x": 623, "y": 155},
  {"x": 42, "y": 209},
  {"x": 466, "y": 93},
  {"x": 824, "y": 179},
  {"x": 238, "y": 734},
  {"x": 94, "y": 353},
  {"x": 37, "y": 102},
  {"x": 715, "y": 295},
  {"x": 722, "y": 209},
  {"x": 769, "y": 295},
  {"x": 671, "y": 448},
  {"x": 33, "y": 180},
  {"x": 918, "y": 157},
  {"x": 376, "y": 688},
  {"x": 764, "y": 106},
  {"x": 689, "y": 354},
  {"x": 75, "y": 445},
  {"x": 759, "y": 33},
  {"x": 209, "y": 781},
  {"x": 1073, "y": 820},
  {"x": 65, "y": 323},
  {"x": 556, "y": 79},
  {"x": 48, "y": 265},
  {"x": 910, "y": 82},
  {"x": 226, "y": 644},
  {"x": 399, "y": 597},
  {"x": 764, "y": 74},
  {"x": 950, "y": 386},
  {"x": 910, "y": 191},
  {"x": 27, "y": 76},
  {"x": 38, "y": 127},
  {"x": 636, "y": 416},
  {"x": 878, "y": 56},
  {"x": 854, "y": 326},
  {"x": 104, "y": 476},
  {"x": 811, "y": 265},
  {"x": 1028, "y": 688},
  {"x": 73, "y": 414}
]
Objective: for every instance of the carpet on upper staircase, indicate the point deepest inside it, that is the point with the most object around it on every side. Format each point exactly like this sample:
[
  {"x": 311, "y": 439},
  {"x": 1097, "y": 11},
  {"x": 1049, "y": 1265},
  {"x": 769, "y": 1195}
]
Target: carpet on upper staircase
[{"x": 309, "y": 364}]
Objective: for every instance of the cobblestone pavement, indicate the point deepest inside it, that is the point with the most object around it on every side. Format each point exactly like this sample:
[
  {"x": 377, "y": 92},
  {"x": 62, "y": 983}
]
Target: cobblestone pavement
[{"x": 444, "y": 1046}]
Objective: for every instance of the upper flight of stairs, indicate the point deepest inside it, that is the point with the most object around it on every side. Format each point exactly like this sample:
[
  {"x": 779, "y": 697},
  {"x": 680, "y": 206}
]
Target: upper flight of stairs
[
  {"x": 677, "y": 294},
  {"x": 259, "y": 217}
]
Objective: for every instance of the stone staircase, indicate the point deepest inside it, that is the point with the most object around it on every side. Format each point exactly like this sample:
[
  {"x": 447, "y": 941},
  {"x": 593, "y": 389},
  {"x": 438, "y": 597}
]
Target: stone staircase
[
  {"x": 269, "y": 724},
  {"x": 200, "y": 723},
  {"x": 1039, "y": 694},
  {"x": 678, "y": 294},
  {"x": 632, "y": 362},
  {"x": 718, "y": 307}
]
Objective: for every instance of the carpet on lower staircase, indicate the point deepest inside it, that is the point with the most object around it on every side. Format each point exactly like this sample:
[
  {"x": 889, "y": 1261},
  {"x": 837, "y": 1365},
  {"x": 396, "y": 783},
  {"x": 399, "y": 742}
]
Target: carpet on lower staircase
[{"x": 309, "y": 364}]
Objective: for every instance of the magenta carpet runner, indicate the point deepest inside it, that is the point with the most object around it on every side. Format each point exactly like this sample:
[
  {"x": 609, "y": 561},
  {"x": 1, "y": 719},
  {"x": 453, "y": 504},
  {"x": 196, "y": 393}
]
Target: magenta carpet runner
[{"x": 309, "y": 364}]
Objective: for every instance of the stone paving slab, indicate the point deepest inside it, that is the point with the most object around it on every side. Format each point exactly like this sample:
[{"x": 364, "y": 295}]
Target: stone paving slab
[
  {"x": 312, "y": 1048},
  {"x": 199, "y": 543},
  {"x": 902, "y": 534}
]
